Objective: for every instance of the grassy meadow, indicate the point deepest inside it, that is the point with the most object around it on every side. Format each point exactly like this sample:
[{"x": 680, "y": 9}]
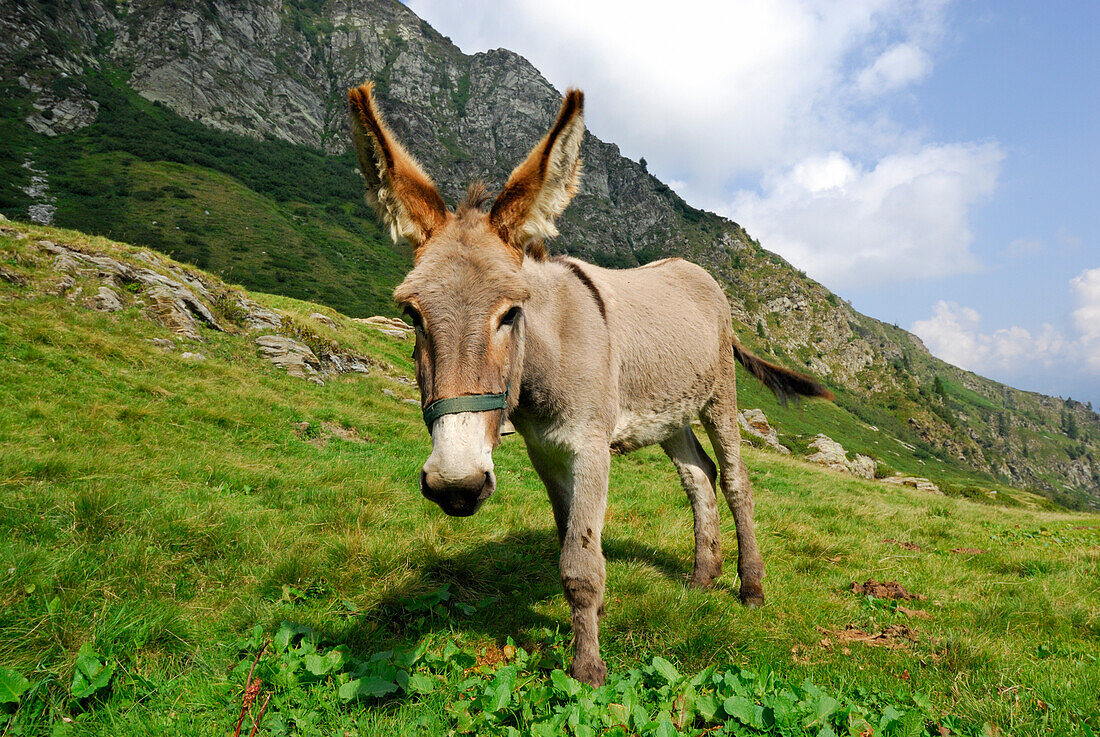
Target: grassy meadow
[{"x": 163, "y": 519}]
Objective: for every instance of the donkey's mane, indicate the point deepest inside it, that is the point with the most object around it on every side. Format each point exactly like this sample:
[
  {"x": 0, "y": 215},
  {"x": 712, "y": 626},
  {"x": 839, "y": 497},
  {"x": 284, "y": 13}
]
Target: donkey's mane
[{"x": 477, "y": 195}]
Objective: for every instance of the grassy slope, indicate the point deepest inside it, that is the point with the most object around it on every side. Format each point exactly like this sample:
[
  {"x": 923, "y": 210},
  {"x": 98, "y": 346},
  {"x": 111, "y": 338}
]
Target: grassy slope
[
  {"x": 158, "y": 508},
  {"x": 270, "y": 215}
]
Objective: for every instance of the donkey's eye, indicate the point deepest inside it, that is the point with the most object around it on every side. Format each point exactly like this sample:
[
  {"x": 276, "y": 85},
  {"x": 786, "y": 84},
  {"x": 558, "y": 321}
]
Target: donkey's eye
[
  {"x": 414, "y": 318},
  {"x": 510, "y": 316}
]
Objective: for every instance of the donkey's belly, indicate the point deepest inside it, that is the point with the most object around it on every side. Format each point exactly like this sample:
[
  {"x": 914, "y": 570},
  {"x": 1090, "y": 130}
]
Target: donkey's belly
[{"x": 638, "y": 428}]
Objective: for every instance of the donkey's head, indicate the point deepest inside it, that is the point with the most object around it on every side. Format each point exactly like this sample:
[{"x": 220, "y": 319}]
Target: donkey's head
[{"x": 466, "y": 293}]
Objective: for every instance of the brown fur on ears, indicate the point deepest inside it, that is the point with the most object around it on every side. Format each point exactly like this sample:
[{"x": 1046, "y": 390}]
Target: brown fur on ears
[
  {"x": 541, "y": 187},
  {"x": 398, "y": 189}
]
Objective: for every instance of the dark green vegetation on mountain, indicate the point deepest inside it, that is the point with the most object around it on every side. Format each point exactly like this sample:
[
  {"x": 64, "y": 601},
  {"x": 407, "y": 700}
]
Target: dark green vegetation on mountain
[
  {"x": 164, "y": 515},
  {"x": 248, "y": 126},
  {"x": 269, "y": 214}
]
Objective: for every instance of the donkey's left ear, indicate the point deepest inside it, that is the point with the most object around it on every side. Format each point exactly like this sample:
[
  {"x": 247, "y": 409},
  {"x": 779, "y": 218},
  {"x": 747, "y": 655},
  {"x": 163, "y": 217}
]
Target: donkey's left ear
[
  {"x": 397, "y": 188},
  {"x": 540, "y": 188}
]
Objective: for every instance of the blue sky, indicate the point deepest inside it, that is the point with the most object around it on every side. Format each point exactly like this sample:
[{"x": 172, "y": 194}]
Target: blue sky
[
  {"x": 933, "y": 162},
  {"x": 1027, "y": 76}
]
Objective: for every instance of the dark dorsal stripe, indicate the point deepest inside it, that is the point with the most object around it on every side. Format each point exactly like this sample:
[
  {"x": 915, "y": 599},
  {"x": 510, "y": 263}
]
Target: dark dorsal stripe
[{"x": 586, "y": 280}]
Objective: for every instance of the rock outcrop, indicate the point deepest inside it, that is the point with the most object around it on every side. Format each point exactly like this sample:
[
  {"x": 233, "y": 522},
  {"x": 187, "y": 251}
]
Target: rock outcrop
[
  {"x": 831, "y": 454},
  {"x": 390, "y": 326},
  {"x": 106, "y": 300},
  {"x": 179, "y": 299},
  {"x": 171, "y": 301},
  {"x": 296, "y": 358},
  {"x": 755, "y": 423}
]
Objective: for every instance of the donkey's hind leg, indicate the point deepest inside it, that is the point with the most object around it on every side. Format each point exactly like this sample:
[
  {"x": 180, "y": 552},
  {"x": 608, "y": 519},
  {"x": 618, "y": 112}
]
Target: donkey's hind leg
[
  {"x": 698, "y": 475},
  {"x": 719, "y": 418}
]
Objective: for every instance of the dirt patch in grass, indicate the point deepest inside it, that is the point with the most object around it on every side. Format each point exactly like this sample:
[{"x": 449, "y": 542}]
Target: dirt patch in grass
[
  {"x": 495, "y": 655},
  {"x": 914, "y": 613},
  {"x": 891, "y": 637},
  {"x": 901, "y": 544},
  {"x": 967, "y": 551},
  {"x": 885, "y": 590},
  {"x": 319, "y": 436}
]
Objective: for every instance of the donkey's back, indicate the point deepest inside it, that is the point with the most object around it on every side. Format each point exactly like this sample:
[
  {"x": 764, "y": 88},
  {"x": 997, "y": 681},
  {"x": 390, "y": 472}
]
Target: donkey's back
[{"x": 670, "y": 323}]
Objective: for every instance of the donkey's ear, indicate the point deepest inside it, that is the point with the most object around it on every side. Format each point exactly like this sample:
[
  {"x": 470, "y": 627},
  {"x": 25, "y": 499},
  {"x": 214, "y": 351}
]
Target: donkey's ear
[
  {"x": 398, "y": 189},
  {"x": 540, "y": 188}
]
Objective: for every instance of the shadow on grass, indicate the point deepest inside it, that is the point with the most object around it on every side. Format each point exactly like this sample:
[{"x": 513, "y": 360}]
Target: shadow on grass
[{"x": 494, "y": 589}]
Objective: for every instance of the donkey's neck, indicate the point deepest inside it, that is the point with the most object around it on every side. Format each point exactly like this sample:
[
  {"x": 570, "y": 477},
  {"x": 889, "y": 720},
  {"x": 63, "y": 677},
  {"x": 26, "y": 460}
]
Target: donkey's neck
[{"x": 569, "y": 355}]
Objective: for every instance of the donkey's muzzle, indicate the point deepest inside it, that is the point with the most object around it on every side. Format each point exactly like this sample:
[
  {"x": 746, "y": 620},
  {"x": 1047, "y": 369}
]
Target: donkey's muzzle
[
  {"x": 458, "y": 497},
  {"x": 458, "y": 476}
]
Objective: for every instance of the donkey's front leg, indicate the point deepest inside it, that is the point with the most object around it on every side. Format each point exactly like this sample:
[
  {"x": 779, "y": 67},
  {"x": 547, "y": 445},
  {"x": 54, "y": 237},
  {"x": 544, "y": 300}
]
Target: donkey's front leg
[{"x": 583, "y": 571}]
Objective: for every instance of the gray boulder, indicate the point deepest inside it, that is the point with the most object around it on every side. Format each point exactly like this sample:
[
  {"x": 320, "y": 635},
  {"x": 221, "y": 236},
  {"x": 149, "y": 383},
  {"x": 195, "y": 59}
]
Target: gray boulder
[
  {"x": 754, "y": 422},
  {"x": 106, "y": 300},
  {"x": 295, "y": 357},
  {"x": 831, "y": 454}
]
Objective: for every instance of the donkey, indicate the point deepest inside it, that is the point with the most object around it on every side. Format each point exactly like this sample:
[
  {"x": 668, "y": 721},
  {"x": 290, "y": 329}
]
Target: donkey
[{"x": 582, "y": 360}]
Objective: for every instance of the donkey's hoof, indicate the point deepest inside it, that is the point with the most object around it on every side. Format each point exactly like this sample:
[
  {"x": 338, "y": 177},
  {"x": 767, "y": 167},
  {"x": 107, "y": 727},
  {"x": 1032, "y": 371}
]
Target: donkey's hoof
[
  {"x": 703, "y": 581},
  {"x": 593, "y": 671},
  {"x": 752, "y": 598}
]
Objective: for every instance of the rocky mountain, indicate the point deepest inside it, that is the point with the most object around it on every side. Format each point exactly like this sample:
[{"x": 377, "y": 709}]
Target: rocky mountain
[{"x": 241, "y": 83}]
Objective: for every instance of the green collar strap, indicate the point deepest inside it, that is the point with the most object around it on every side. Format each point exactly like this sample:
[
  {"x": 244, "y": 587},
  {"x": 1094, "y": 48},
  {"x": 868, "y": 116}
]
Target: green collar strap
[{"x": 454, "y": 405}]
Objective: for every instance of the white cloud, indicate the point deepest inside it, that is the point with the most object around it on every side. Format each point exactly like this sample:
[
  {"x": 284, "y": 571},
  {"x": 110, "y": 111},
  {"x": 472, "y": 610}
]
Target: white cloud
[
  {"x": 906, "y": 218},
  {"x": 790, "y": 93},
  {"x": 898, "y": 66},
  {"x": 723, "y": 89},
  {"x": 1086, "y": 316},
  {"x": 954, "y": 334}
]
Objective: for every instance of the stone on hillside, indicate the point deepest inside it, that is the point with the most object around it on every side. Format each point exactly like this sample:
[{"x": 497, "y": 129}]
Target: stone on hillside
[
  {"x": 172, "y": 300},
  {"x": 58, "y": 288},
  {"x": 189, "y": 356},
  {"x": 54, "y": 115},
  {"x": 342, "y": 364},
  {"x": 64, "y": 262},
  {"x": 106, "y": 300},
  {"x": 755, "y": 423},
  {"x": 172, "y": 309},
  {"x": 323, "y": 319},
  {"x": 258, "y": 317},
  {"x": 12, "y": 278},
  {"x": 831, "y": 454},
  {"x": 296, "y": 358},
  {"x": 391, "y": 326},
  {"x": 863, "y": 466},
  {"x": 165, "y": 344},
  {"x": 913, "y": 482}
]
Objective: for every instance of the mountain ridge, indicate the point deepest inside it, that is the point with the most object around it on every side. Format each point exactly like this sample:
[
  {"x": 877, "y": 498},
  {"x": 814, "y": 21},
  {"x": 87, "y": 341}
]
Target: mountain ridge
[{"x": 278, "y": 71}]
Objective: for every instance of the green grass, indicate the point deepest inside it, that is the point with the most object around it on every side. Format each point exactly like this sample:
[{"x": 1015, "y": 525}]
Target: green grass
[{"x": 161, "y": 518}]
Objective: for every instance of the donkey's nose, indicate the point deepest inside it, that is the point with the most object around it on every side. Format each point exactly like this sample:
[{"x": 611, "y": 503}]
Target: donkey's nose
[
  {"x": 458, "y": 497},
  {"x": 458, "y": 476}
]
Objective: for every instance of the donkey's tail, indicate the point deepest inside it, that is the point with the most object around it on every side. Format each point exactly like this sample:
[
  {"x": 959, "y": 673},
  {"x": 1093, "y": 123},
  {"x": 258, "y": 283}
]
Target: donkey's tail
[{"x": 784, "y": 382}]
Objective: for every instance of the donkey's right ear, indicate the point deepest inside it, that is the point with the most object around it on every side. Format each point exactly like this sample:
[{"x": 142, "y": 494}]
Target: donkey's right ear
[
  {"x": 540, "y": 188},
  {"x": 398, "y": 189}
]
